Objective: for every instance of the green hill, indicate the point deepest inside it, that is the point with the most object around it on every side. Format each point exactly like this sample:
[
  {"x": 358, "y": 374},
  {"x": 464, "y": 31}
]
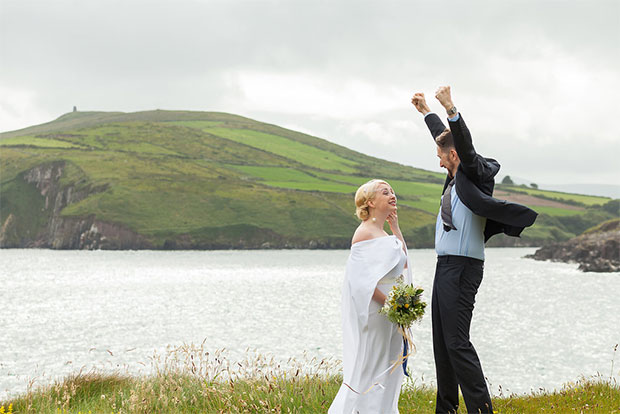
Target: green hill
[{"x": 180, "y": 179}]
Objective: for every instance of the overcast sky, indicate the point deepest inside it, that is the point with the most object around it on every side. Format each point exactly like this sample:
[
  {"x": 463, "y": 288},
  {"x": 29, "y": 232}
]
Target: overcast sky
[{"x": 536, "y": 81}]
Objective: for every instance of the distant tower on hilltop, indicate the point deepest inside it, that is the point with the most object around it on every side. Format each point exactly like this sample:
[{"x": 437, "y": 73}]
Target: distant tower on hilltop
[{"x": 74, "y": 108}]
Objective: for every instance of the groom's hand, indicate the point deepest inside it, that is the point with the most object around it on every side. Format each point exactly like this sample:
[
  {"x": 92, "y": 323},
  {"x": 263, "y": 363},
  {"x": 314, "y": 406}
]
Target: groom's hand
[
  {"x": 444, "y": 97},
  {"x": 419, "y": 102}
]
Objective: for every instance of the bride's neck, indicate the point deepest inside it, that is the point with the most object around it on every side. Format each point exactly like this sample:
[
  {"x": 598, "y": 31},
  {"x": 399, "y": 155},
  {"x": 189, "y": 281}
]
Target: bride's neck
[{"x": 376, "y": 221}]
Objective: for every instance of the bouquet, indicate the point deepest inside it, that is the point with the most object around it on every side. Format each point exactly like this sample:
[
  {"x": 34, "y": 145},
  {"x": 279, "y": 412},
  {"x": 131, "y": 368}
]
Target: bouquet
[{"x": 403, "y": 306}]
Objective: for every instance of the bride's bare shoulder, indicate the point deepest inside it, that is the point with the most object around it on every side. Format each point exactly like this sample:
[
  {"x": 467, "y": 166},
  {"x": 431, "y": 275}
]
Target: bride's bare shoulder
[{"x": 362, "y": 233}]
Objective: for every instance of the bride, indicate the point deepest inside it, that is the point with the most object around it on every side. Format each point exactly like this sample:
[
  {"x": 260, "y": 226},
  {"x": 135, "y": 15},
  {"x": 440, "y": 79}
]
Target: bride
[{"x": 371, "y": 344}]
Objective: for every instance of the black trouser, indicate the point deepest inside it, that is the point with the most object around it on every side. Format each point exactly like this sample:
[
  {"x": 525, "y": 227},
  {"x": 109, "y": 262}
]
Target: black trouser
[{"x": 454, "y": 292}]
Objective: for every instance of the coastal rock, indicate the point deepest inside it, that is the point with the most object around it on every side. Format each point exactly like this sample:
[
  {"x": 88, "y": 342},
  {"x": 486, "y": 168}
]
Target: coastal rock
[
  {"x": 596, "y": 250},
  {"x": 60, "y": 232}
]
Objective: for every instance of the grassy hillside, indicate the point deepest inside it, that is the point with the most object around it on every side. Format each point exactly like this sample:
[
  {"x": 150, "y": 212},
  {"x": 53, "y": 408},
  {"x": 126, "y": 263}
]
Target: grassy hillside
[{"x": 183, "y": 179}]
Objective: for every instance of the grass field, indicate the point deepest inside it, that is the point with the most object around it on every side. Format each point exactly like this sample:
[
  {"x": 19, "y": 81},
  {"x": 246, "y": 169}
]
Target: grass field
[
  {"x": 190, "y": 380},
  {"x": 554, "y": 211},
  {"x": 175, "y": 393},
  {"x": 305, "y": 154},
  {"x": 36, "y": 142}
]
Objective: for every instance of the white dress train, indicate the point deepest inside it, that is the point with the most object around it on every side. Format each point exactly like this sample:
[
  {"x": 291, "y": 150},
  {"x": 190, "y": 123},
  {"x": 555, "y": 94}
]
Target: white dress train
[{"x": 371, "y": 344}]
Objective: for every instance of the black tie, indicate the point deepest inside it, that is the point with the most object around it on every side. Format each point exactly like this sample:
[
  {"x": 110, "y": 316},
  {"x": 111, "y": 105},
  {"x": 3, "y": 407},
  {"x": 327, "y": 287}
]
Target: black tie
[{"x": 446, "y": 208}]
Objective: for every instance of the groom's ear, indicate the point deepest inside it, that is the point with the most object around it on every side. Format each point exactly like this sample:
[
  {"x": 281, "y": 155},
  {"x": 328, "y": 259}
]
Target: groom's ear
[{"x": 454, "y": 154}]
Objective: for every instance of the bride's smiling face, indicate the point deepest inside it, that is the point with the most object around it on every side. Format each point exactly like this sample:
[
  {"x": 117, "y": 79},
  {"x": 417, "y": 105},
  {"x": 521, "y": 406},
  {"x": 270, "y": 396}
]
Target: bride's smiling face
[{"x": 385, "y": 199}]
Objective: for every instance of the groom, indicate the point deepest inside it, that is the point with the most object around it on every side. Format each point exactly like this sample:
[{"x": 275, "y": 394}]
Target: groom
[{"x": 468, "y": 217}]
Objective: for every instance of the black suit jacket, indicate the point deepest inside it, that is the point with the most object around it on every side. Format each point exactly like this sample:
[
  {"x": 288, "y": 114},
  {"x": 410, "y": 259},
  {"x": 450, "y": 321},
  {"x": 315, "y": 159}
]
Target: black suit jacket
[{"x": 475, "y": 180}]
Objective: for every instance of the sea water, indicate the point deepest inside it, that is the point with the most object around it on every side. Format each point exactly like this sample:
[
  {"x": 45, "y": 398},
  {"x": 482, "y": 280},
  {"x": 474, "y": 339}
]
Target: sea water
[{"x": 535, "y": 325}]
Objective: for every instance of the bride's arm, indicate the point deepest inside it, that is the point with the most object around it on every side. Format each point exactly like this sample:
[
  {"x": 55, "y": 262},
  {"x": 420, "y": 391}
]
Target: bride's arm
[{"x": 379, "y": 296}]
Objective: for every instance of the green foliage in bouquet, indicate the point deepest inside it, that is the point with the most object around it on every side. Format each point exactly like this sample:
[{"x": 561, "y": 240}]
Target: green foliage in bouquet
[{"x": 404, "y": 304}]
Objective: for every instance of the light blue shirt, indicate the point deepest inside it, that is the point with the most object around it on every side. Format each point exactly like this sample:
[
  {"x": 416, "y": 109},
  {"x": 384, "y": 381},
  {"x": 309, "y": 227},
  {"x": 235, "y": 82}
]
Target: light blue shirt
[{"x": 467, "y": 239}]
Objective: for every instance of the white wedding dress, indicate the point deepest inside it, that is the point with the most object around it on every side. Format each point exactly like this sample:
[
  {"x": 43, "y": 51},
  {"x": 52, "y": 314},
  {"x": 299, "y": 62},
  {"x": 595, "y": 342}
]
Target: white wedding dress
[{"x": 371, "y": 344}]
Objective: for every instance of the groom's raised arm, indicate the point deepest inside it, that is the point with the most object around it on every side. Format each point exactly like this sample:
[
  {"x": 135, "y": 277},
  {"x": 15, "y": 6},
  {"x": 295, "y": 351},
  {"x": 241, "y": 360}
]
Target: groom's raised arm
[
  {"x": 475, "y": 166},
  {"x": 433, "y": 122}
]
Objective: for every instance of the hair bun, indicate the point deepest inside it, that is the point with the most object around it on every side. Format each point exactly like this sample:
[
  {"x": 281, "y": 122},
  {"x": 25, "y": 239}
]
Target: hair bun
[{"x": 363, "y": 195}]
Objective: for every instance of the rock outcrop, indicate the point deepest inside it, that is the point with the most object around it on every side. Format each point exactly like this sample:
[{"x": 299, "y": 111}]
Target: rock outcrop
[
  {"x": 61, "y": 232},
  {"x": 596, "y": 250}
]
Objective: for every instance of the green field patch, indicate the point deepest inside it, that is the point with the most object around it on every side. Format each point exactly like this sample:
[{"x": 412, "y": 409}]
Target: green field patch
[
  {"x": 544, "y": 233},
  {"x": 276, "y": 173},
  {"x": 292, "y": 179},
  {"x": 148, "y": 209},
  {"x": 302, "y": 153},
  {"x": 325, "y": 186},
  {"x": 167, "y": 138},
  {"x": 350, "y": 179},
  {"x": 556, "y": 195},
  {"x": 430, "y": 205},
  {"x": 555, "y": 211},
  {"x": 14, "y": 160},
  {"x": 117, "y": 167},
  {"x": 36, "y": 142},
  {"x": 141, "y": 148},
  {"x": 196, "y": 124}
]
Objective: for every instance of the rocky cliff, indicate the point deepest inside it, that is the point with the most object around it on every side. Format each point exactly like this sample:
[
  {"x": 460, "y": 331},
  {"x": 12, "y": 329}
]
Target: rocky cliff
[
  {"x": 57, "y": 231},
  {"x": 596, "y": 250},
  {"x": 36, "y": 221}
]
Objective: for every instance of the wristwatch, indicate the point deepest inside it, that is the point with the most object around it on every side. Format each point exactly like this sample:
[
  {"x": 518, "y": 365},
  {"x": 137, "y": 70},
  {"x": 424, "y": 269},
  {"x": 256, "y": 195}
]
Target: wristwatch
[{"x": 452, "y": 111}]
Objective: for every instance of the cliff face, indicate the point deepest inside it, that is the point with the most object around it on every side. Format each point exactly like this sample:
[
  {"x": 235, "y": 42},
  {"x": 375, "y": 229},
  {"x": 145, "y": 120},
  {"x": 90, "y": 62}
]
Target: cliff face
[
  {"x": 58, "y": 232},
  {"x": 595, "y": 251},
  {"x": 49, "y": 195}
]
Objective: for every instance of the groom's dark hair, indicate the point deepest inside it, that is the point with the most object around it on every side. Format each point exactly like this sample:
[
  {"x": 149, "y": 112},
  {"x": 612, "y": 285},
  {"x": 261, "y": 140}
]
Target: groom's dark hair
[{"x": 445, "y": 140}]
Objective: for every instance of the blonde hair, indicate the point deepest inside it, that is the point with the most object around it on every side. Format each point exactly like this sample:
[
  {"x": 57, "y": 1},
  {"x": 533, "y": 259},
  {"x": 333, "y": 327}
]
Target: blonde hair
[{"x": 363, "y": 195}]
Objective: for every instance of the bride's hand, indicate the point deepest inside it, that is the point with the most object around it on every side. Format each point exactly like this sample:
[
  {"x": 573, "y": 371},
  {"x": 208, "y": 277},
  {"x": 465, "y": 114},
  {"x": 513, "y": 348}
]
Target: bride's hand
[{"x": 392, "y": 220}]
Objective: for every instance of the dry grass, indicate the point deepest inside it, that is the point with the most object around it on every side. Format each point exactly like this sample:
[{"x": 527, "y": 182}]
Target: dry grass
[{"x": 189, "y": 379}]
